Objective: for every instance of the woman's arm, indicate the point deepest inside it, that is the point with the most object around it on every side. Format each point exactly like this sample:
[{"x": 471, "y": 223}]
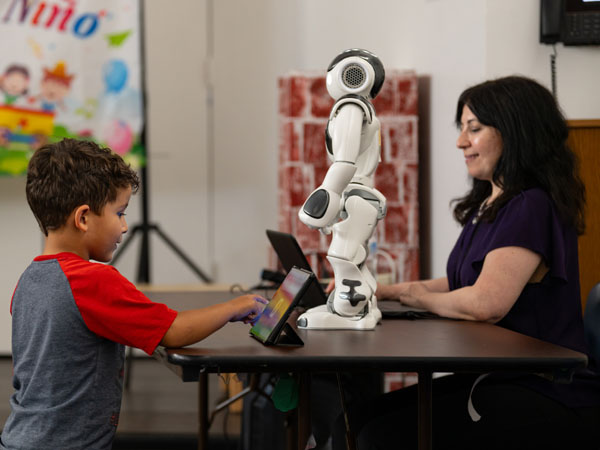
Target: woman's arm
[
  {"x": 503, "y": 277},
  {"x": 396, "y": 291}
]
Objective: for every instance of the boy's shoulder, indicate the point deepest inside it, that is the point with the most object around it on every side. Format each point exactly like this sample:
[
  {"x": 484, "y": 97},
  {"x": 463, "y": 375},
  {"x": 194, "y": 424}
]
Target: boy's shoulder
[
  {"x": 70, "y": 276},
  {"x": 79, "y": 270},
  {"x": 65, "y": 276}
]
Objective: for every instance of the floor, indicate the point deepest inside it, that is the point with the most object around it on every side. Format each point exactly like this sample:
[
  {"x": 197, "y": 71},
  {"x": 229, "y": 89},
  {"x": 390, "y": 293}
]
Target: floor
[{"x": 158, "y": 412}]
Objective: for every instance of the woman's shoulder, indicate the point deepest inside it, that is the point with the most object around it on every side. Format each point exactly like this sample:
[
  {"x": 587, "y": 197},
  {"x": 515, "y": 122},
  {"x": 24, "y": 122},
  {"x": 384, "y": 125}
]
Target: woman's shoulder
[
  {"x": 534, "y": 194},
  {"x": 525, "y": 209},
  {"x": 531, "y": 200}
]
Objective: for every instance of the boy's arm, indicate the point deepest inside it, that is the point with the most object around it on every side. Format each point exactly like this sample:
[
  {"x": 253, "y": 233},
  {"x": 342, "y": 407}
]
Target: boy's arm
[{"x": 192, "y": 326}]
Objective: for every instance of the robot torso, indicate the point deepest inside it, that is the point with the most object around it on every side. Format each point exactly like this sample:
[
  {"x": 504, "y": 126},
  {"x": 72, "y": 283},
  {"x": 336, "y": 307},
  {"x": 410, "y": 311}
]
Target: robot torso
[{"x": 369, "y": 152}]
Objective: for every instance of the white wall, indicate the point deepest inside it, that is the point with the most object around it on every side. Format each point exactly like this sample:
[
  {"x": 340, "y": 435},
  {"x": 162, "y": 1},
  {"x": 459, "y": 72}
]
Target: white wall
[{"x": 217, "y": 205}]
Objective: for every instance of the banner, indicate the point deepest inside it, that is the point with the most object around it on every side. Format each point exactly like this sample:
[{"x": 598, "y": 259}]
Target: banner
[{"x": 69, "y": 68}]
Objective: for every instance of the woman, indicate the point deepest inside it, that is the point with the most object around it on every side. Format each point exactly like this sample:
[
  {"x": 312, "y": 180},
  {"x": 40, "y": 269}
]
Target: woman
[{"x": 515, "y": 264}]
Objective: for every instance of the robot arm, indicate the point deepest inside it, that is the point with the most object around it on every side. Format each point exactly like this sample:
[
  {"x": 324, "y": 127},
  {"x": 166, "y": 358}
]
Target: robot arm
[
  {"x": 324, "y": 204},
  {"x": 345, "y": 128}
]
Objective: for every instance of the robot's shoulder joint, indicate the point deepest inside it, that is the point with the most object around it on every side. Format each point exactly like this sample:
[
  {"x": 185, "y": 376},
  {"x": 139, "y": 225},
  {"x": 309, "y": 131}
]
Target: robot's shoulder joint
[{"x": 359, "y": 100}]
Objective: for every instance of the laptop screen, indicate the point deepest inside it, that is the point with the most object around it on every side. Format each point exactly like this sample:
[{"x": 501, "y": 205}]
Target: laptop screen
[
  {"x": 288, "y": 250},
  {"x": 290, "y": 254}
]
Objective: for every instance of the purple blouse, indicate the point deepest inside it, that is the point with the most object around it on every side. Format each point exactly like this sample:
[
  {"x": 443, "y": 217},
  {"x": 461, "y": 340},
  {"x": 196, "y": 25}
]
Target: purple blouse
[{"x": 549, "y": 310}]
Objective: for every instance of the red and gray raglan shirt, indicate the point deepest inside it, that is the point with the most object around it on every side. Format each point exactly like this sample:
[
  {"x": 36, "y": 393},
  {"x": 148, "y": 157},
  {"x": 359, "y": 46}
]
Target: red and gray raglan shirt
[{"x": 71, "y": 320}]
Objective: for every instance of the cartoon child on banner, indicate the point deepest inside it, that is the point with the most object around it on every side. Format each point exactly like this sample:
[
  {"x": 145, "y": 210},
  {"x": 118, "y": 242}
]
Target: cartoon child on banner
[
  {"x": 14, "y": 83},
  {"x": 54, "y": 87}
]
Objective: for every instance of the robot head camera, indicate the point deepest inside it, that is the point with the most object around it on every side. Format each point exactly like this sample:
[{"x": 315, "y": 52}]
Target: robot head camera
[{"x": 355, "y": 71}]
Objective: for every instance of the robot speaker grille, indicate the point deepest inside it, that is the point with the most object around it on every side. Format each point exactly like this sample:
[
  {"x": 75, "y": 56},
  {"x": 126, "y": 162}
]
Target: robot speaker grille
[{"x": 354, "y": 76}]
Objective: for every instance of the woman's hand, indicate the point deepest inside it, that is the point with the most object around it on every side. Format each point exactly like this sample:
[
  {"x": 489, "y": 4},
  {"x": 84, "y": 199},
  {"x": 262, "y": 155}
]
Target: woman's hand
[
  {"x": 409, "y": 292},
  {"x": 391, "y": 291},
  {"x": 330, "y": 287}
]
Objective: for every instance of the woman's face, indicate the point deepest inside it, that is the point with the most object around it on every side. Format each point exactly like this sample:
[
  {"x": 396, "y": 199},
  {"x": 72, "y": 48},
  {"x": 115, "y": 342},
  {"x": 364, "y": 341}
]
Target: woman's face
[{"x": 481, "y": 145}]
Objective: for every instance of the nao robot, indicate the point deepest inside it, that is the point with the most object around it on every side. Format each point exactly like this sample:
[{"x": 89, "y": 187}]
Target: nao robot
[{"x": 347, "y": 202}]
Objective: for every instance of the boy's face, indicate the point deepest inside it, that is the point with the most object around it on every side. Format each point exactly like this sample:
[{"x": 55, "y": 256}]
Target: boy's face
[{"x": 106, "y": 230}]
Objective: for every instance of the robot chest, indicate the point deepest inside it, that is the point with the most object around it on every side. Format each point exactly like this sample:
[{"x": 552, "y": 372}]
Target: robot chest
[{"x": 367, "y": 163}]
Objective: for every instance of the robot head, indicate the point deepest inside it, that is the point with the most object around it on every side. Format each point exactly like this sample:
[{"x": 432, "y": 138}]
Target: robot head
[{"x": 355, "y": 71}]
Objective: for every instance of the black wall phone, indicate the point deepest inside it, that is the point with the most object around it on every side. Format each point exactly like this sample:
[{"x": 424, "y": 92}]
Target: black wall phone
[{"x": 572, "y": 22}]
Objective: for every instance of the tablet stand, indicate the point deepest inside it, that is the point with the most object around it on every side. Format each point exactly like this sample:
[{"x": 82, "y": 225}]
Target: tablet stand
[{"x": 288, "y": 337}]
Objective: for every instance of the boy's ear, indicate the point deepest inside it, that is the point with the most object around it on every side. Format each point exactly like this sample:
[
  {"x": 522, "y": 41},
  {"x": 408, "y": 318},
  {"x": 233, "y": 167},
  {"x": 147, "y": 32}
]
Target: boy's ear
[{"x": 81, "y": 217}]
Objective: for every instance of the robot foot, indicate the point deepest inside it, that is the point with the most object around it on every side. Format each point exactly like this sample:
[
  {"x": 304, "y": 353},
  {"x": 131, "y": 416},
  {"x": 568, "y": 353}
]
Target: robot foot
[
  {"x": 352, "y": 295},
  {"x": 320, "y": 318}
]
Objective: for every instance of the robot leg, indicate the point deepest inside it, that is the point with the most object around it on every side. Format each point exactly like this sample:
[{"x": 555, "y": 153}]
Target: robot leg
[
  {"x": 354, "y": 287},
  {"x": 351, "y": 305}
]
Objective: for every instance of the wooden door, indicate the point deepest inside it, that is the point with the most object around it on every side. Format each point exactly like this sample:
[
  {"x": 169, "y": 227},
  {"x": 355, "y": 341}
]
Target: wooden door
[{"x": 584, "y": 138}]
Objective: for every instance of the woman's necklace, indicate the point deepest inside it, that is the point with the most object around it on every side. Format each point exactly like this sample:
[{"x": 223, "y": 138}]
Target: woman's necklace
[{"x": 480, "y": 211}]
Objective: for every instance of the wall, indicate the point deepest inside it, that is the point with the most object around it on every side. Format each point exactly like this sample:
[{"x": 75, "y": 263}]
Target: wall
[{"x": 217, "y": 204}]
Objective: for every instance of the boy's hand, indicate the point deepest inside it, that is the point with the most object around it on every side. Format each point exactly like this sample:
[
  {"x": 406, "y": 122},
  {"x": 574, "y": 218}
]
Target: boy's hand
[{"x": 247, "y": 308}]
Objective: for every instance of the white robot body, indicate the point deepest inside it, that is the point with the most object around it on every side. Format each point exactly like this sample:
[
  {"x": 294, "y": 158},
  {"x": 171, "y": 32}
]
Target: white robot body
[
  {"x": 347, "y": 202},
  {"x": 339, "y": 128}
]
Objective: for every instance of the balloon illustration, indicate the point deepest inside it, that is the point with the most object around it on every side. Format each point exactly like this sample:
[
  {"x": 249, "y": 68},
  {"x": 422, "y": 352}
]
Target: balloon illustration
[
  {"x": 118, "y": 136},
  {"x": 115, "y": 74}
]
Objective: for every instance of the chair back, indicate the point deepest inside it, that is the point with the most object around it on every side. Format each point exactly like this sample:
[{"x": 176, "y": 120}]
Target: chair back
[{"x": 591, "y": 321}]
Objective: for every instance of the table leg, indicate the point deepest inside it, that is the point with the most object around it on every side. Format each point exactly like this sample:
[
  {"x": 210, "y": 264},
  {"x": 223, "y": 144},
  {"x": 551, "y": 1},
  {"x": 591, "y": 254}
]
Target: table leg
[
  {"x": 304, "y": 425},
  {"x": 425, "y": 407},
  {"x": 292, "y": 430},
  {"x": 203, "y": 411}
]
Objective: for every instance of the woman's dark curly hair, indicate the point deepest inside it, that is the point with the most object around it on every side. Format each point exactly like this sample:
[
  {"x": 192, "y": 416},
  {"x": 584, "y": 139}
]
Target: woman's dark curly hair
[{"x": 535, "y": 152}]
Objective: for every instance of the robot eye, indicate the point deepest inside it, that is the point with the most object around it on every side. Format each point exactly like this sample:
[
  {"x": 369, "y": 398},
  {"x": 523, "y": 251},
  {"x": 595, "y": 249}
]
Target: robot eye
[{"x": 354, "y": 76}]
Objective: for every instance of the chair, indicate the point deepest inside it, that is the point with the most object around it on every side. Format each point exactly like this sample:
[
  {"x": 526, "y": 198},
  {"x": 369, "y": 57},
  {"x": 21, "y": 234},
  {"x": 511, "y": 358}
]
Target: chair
[{"x": 591, "y": 321}]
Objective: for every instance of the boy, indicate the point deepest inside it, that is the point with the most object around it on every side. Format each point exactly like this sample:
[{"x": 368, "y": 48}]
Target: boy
[{"x": 72, "y": 318}]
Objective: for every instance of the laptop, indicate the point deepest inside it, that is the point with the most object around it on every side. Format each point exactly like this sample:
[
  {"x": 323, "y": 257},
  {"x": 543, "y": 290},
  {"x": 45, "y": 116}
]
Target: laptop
[{"x": 290, "y": 254}]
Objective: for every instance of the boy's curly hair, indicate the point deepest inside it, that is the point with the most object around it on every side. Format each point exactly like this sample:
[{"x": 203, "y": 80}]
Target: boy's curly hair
[{"x": 64, "y": 175}]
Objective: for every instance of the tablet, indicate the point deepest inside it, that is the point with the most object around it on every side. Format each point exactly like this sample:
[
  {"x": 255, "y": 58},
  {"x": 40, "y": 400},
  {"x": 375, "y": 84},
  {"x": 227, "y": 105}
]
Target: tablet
[{"x": 269, "y": 325}]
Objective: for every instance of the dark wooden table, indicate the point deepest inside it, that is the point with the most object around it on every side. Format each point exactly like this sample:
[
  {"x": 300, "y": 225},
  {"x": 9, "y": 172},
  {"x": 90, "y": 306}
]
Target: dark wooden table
[{"x": 423, "y": 346}]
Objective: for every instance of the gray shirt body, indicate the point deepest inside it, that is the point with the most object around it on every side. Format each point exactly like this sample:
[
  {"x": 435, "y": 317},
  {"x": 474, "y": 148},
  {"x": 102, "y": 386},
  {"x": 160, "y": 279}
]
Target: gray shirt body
[{"x": 67, "y": 380}]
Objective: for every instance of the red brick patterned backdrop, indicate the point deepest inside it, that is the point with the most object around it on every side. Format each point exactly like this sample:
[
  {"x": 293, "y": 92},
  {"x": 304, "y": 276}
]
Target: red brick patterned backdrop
[{"x": 304, "y": 107}]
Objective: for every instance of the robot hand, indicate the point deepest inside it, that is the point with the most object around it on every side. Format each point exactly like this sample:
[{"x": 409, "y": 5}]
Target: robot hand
[
  {"x": 323, "y": 206},
  {"x": 321, "y": 209}
]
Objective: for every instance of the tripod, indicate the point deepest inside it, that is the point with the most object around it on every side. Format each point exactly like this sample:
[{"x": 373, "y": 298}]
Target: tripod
[
  {"x": 145, "y": 227},
  {"x": 143, "y": 274}
]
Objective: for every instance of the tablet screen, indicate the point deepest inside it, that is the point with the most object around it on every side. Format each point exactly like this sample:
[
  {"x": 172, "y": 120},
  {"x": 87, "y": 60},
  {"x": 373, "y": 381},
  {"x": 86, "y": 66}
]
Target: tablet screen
[{"x": 277, "y": 310}]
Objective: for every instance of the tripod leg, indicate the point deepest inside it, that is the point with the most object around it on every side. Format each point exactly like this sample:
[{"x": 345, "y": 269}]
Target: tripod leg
[
  {"x": 182, "y": 255},
  {"x": 128, "y": 350}
]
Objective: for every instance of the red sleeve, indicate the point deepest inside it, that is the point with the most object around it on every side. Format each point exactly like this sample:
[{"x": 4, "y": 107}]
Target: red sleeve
[
  {"x": 13, "y": 296},
  {"x": 112, "y": 307}
]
